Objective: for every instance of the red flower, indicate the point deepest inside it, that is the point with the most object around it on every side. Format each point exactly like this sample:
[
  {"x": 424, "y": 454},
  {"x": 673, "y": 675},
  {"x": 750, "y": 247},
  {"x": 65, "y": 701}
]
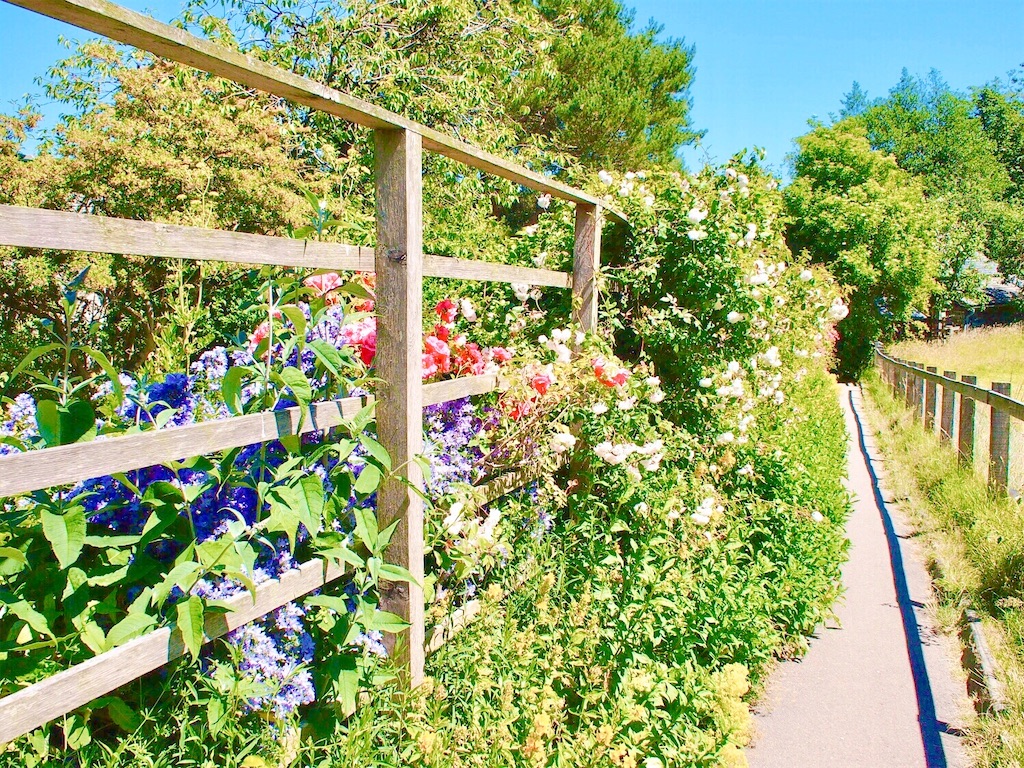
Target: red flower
[
  {"x": 518, "y": 410},
  {"x": 447, "y": 310},
  {"x": 442, "y": 332},
  {"x": 368, "y": 348},
  {"x": 609, "y": 375},
  {"x": 541, "y": 382},
  {"x": 471, "y": 360}
]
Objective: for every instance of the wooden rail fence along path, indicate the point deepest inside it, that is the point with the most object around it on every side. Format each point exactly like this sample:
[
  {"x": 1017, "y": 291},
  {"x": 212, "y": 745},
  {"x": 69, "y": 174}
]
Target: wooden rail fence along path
[
  {"x": 400, "y": 265},
  {"x": 957, "y": 415}
]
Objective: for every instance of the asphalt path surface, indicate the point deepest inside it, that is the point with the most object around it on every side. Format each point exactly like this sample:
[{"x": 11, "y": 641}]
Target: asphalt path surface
[{"x": 882, "y": 687}]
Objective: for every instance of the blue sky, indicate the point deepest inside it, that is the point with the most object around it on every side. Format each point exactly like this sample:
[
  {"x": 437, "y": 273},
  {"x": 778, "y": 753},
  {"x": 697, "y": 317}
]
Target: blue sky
[{"x": 763, "y": 68}]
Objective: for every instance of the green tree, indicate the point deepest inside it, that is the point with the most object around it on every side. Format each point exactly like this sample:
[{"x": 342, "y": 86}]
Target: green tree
[{"x": 856, "y": 211}]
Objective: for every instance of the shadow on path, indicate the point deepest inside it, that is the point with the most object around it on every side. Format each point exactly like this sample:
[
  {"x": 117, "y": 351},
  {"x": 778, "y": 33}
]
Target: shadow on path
[{"x": 928, "y": 721}]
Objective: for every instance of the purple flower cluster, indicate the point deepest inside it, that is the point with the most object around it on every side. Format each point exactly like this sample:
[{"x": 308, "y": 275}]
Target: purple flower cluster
[
  {"x": 275, "y": 652},
  {"x": 450, "y": 430}
]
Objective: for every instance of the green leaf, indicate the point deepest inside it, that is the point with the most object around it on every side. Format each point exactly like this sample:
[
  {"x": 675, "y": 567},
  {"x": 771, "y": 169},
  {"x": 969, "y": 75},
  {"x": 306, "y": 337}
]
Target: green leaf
[
  {"x": 12, "y": 561},
  {"x": 299, "y": 385},
  {"x": 385, "y": 621},
  {"x": 190, "y": 624},
  {"x": 109, "y": 369},
  {"x": 76, "y": 732},
  {"x": 66, "y": 534},
  {"x": 124, "y": 716},
  {"x": 366, "y": 527},
  {"x": 375, "y": 449},
  {"x": 24, "y": 611},
  {"x": 30, "y": 358},
  {"x": 328, "y": 356},
  {"x": 368, "y": 480},
  {"x": 65, "y": 424},
  {"x": 215, "y": 711},
  {"x": 131, "y": 626},
  {"x": 302, "y": 502},
  {"x": 231, "y": 388},
  {"x": 338, "y": 604},
  {"x": 346, "y": 682},
  {"x": 390, "y": 572},
  {"x": 298, "y": 319}
]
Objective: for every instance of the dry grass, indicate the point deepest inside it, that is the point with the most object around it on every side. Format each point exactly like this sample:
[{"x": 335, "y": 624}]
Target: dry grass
[{"x": 991, "y": 354}]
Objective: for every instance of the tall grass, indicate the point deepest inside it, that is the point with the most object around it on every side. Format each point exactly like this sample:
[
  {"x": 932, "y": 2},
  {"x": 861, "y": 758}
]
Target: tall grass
[
  {"x": 977, "y": 541},
  {"x": 991, "y": 354}
]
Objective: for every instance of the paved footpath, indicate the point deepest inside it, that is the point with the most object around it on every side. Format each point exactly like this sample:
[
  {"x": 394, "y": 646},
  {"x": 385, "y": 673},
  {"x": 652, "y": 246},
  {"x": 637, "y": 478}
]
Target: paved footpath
[{"x": 882, "y": 688}]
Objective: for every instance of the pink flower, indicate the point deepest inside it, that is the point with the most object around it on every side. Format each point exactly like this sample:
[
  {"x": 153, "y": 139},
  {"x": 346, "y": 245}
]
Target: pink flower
[
  {"x": 324, "y": 284},
  {"x": 446, "y": 310},
  {"x": 500, "y": 355},
  {"x": 429, "y": 366},
  {"x": 261, "y": 332},
  {"x": 439, "y": 352}
]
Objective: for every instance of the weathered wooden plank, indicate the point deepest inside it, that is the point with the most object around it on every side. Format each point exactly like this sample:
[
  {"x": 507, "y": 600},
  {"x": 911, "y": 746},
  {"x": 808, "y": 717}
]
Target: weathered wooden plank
[
  {"x": 466, "y": 386},
  {"x": 948, "y": 406},
  {"x": 930, "y": 401},
  {"x": 513, "y": 481},
  {"x": 399, "y": 259},
  {"x": 61, "y": 230},
  {"x": 34, "y": 470},
  {"x": 966, "y": 426},
  {"x": 999, "y": 444},
  {"x": 586, "y": 262},
  {"x": 66, "y": 691},
  {"x": 126, "y": 26},
  {"x": 469, "y": 269}
]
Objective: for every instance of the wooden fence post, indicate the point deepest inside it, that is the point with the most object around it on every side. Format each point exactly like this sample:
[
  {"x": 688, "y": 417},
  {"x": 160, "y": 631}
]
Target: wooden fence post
[
  {"x": 399, "y": 266},
  {"x": 948, "y": 405},
  {"x": 967, "y": 407},
  {"x": 908, "y": 391},
  {"x": 999, "y": 443},
  {"x": 586, "y": 262},
  {"x": 930, "y": 397}
]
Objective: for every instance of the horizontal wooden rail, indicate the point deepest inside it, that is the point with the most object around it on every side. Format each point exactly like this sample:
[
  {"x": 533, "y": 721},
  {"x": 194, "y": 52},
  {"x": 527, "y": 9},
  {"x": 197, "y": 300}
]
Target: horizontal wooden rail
[
  {"x": 59, "y": 694},
  {"x": 1008, "y": 405},
  {"x": 127, "y": 26},
  {"x": 61, "y": 230},
  {"x": 35, "y": 470}
]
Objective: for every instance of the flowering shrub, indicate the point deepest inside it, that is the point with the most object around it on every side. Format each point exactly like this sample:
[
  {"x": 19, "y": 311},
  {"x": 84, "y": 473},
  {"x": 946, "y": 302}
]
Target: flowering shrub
[{"x": 680, "y": 529}]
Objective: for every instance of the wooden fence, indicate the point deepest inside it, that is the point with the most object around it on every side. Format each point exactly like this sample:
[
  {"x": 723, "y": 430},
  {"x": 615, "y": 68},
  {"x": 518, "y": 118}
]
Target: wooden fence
[
  {"x": 400, "y": 266},
  {"x": 942, "y": 402}
]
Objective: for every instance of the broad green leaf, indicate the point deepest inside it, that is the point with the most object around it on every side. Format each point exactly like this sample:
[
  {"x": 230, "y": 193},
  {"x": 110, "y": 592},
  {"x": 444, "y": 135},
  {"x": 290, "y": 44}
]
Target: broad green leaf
[
  {"x": 390, "y": 572},
  {"x": 375, "y": 449},
  {"x": 76, "y": 732},
  {"x": 385, "y": 621},
  {"x": 328, "y": 355},
  {"x": 65, "y": 424},
  {"x": 366, "y": 527},
  {"x": 24, "y": 611},
  {"x": 298, "y": 319},
  {"x": 66, "y": 534},
  {"x": 339, "y": 604},
  {"x": 11, "y": 561},
  {"x": 123, "y": 715},
  {"x": 108, "y": 369},
  {"x": 231, "y": 388},
  {"x": 190, "y": 624},
  {"x": 346, "y": 682},
  {"x": 131, "y": 626},
  {"x": 215, "y": 715},
  {"x": 368, "y": 480}
]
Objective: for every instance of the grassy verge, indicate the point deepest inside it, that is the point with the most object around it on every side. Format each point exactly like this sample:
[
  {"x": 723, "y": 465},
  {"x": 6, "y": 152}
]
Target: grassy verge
[
  {"x": 975, "y": 543},
  {"x": 991, "y": 354}
]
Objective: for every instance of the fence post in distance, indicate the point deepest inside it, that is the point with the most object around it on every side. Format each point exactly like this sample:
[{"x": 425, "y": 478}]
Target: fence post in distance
[
  {"x": 999, "y": 443},
  {"x": 966, "y": 427}
]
